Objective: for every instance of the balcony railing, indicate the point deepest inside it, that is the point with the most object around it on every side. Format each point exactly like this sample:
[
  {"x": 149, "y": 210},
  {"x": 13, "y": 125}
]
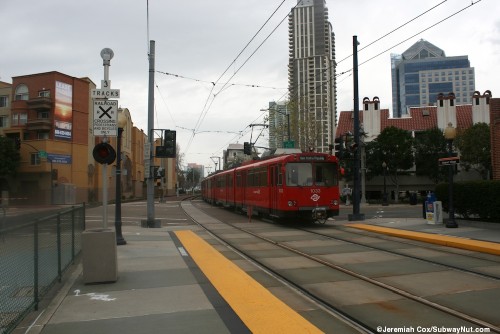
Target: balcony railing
[
  {"x": 40, "y": 103},
  {"x": 39, "y": 124}
]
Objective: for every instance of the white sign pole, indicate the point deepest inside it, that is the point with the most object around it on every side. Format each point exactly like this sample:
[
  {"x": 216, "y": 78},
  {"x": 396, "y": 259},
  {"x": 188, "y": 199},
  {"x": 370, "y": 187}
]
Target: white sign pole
[
  {"x": 105, "y": 194},
  {"x": 106, "y": 55}
]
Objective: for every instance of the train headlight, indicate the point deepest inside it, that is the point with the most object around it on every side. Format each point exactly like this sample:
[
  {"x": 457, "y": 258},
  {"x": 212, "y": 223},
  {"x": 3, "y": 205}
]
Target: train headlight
[
  {"x": 291, "y": 203},
  {"x": 335, "y": 202}
]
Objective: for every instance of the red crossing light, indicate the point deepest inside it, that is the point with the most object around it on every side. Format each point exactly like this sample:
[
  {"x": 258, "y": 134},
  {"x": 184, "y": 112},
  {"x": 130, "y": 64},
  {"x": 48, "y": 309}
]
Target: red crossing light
[{"x": 104, "y": 153}]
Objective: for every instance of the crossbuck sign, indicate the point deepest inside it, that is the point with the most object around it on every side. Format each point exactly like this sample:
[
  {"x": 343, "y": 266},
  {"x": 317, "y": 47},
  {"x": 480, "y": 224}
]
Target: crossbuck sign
[{"x": 105, "y": 117}]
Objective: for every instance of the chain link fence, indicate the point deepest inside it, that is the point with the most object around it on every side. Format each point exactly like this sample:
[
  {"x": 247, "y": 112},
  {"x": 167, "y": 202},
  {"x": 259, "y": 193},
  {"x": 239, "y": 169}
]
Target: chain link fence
[{"x": 33, "y": 256}]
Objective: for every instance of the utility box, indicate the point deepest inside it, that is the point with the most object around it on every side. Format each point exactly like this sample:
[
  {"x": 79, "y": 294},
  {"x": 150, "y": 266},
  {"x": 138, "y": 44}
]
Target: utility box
[{"x": 100, "y": 261}]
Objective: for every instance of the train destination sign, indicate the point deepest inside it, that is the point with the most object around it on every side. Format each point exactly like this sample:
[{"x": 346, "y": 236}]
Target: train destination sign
[
  {"x": 105, "y": 117},
  {"x": 312, "y": 158}
]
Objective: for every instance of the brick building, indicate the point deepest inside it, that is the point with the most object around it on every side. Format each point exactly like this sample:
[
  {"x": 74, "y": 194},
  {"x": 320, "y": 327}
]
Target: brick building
[
  {"x": 51, "y": 115},
  {"x": 495, "y": 137}
]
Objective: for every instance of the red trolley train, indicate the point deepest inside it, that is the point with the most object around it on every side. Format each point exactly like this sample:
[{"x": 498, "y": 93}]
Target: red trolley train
[{"x": 293, "y": 186}]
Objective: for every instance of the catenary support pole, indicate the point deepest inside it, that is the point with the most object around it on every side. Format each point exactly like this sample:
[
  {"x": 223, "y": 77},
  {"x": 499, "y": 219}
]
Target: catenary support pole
[
  {"x": 150, "y": 180},
  {"x": 356, "y": 215}
]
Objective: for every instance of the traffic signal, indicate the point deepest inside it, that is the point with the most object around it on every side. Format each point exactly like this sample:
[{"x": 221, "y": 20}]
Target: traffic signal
[
  {"x": 339, "y": 147},
  {"x": 104, "y": 153},
  {"x": 247, "y": 148},
  {"x": 168, "y": 150},
  {"x": 54, "y": 174}
]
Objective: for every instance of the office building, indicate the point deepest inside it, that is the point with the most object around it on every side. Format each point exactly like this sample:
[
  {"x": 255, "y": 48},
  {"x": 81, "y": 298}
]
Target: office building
[
  {"x": 311, "y": 75},
  {"x": 278, "y": 124},
  {"x": 423, "y": 71}
]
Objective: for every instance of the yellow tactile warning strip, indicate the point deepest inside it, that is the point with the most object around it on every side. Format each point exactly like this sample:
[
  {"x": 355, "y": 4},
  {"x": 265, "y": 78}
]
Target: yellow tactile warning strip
[
  {"x": 445, "y": 240},
  {"x": 259, "y": 309}
]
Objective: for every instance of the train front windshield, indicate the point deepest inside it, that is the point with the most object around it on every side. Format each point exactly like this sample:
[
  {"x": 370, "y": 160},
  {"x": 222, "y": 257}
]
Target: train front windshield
[{"x": 302, "y": 174}]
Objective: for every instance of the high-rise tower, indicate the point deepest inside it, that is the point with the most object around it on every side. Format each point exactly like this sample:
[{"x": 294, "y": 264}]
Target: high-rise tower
[
  {"x": 423, "y": 71},
  {"x": 311, "y": 75}
]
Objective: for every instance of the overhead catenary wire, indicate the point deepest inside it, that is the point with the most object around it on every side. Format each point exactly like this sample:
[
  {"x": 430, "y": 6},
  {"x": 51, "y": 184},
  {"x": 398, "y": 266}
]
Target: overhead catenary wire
[
  {"x": 214, "y": 88},
  {"x": 211, "y": 97},
  {"x": 414, "y": 35},
  {"x": 395, "y": 45},
  {"x": 395, "y": 29},
  {"x": 429, "y": 27},
  {"x": 211, "y": 82}
]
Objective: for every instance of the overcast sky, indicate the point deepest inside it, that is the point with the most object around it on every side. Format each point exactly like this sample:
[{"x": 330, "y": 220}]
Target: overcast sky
[{"x": 197, "y": 40}]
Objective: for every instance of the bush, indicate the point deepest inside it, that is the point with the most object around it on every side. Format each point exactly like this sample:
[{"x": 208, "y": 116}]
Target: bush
[{"x": 473, "y": 199}]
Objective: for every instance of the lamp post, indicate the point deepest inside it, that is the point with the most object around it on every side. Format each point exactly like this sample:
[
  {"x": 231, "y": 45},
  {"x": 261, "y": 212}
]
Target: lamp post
[
  {"x": 122, "y": 121},
  {"x": 215, "y": 160},
  {"x": 384, "y": 196},
  {"x": 449, "y": 134}
]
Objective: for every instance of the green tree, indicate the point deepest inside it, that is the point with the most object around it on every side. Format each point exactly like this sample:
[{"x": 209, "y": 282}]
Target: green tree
[
  {"x": 475, "y": 149},
  {"x": 179, "y": 161},
  {"x": 193, "y": 177},
  {"x": 9, "y": 157},
  {"x": 393, "y": 146},
  {"x": 430, "y": 145}
]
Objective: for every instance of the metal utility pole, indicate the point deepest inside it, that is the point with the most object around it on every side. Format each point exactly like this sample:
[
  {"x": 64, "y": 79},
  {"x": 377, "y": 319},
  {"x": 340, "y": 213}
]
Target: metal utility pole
[
  {"x": 357, "y": 184},
  {"x": 150, "y": 221}
]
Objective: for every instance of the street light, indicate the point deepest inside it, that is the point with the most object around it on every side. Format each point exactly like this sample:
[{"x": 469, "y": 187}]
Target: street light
[
  {"x": 215, "y": 159},
  {"x": 122, "y": 121},
  {"x": 384, "y": 196},
  {"x": 449, "y": 134}
]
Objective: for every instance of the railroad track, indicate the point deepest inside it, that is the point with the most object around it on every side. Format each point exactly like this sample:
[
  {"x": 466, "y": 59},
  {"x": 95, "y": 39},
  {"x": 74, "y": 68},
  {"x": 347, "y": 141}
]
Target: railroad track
[
  {"x": 408, "y": 305},
  {"x": 461, "y": 259}
]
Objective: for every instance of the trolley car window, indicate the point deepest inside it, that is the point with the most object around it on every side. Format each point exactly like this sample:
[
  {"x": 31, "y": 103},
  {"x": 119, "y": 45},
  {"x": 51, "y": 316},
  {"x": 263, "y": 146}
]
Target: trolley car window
[
  {"x": 280, "y": 176},
  {"x": 238, "y": 179},
  {"x": 308, "y": 174},
  {"x": 257, "y": 177},
  {"x": 263, "y": 177},
  {"x": 299, "y": 174},
  {"x": 325, "y": 174}
]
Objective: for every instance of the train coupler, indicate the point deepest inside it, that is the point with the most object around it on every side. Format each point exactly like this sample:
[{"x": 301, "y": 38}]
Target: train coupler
[{"x": 319, "y": 214}]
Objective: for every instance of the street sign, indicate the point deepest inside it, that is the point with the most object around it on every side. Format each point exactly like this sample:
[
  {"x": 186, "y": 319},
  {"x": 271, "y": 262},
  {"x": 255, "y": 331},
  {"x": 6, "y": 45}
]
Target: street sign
[
  {"x": 105, "y": 117},
  {"x": 147, "y": 160},
  {"x": 147, "y": 169},
  {"x": 289, "y": 144},
  {"x": 42, "y": 154},
  {"x": 105, "y": 93},
  {"x": 449, "y": 161}
]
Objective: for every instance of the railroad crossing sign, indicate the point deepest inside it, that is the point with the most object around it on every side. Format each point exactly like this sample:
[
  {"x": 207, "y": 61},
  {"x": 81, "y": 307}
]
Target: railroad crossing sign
[{"x": 105, "y": 117}]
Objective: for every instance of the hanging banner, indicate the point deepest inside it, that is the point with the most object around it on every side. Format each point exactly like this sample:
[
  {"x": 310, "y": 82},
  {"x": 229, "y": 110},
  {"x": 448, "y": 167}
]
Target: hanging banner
[{"x": 63, "y": 114}]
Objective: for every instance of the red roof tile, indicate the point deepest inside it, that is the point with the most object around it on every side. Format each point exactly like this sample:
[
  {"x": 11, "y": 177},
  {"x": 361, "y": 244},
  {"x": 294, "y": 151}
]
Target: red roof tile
[{"x": 420, "y": 118}]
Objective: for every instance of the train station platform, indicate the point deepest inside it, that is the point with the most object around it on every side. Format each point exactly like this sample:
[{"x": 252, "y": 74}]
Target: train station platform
[
  {"x": 475, "y": 236},
  {"x": 174, "y": 280}
]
